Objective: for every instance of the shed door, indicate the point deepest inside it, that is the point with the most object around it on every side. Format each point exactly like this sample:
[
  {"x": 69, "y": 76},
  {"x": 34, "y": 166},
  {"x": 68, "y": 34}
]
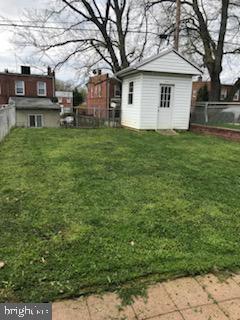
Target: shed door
[{"x": 165, "y": 107}]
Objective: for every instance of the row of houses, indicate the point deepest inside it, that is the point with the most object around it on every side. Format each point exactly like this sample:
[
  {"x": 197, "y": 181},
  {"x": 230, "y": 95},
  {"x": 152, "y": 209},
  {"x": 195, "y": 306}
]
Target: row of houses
[
  {"x": 155, "y": 93},
  {"x": 37, "y": 102}
]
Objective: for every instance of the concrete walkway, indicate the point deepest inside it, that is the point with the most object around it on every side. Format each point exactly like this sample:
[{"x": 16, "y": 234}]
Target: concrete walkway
[{"x": 198, "y": 298}]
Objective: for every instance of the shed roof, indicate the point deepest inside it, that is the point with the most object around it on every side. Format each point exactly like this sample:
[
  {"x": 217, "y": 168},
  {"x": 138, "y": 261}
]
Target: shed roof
[
  {"x": 33, "y": 103},
  {"x": 159, "y": 63}
]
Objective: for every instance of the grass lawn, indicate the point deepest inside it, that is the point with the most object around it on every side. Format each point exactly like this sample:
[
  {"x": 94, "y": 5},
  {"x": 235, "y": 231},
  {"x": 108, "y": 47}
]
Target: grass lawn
[{"x": 83, "y": 210}]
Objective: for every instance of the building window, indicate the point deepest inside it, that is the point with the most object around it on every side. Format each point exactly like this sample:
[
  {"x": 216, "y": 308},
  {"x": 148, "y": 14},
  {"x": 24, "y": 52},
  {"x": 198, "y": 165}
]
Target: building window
[
  {"x": 195, "y": 93},
  {"x": 68, "y": 100},
  {"x": 117, "y": 91},
  {"x": 223, "y": 94},
  {"x": 130, "y": 92},
  {"x": 236, "y": 96},
  {"x": 60, "y": 100},
  {"x": 19, "y": 88},
  {"x": 41, "y": 88},
  {"x": 92, "y": 91},
  {"x": 165, "y": 96},
  {"x": 35, "y": 120},
  {"x": 99, "y": 90}
]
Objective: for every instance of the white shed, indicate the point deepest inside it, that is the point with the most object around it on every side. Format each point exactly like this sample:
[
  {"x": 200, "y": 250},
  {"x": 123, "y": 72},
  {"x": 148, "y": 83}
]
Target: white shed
[{"x": 156, "y": 93}]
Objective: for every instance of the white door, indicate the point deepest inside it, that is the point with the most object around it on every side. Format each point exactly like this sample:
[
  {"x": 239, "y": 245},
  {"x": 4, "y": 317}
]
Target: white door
[{"x": 165, "y": 108}]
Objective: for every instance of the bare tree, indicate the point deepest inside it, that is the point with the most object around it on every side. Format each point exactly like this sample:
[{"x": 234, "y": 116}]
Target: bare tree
[
  {"x": 110, "y": 33},
  {"x": 209, "y": 31}
]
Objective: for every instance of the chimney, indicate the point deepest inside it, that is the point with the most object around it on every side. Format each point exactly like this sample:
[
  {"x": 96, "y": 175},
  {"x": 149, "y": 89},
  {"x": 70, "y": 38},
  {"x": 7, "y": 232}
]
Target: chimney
[
  {"x": 49, "y": 71},
  {"x": 25, "y": 70}
]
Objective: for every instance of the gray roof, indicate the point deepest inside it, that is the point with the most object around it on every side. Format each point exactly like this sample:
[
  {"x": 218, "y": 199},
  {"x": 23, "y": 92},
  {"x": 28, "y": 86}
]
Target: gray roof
[{"x": 33, "y": 103}]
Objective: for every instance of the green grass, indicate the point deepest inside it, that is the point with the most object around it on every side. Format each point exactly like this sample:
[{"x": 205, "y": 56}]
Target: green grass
[{"x": 85, "y": 210}]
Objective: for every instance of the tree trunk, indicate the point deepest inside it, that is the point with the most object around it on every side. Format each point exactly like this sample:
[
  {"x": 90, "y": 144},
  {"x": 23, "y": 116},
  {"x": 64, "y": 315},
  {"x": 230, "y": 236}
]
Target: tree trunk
[{"x": 215, "y": 88}]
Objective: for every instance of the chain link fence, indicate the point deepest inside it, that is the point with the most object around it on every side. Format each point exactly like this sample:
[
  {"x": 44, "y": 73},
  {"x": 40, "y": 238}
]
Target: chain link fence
[
  {"x": 221, "y": 114},
  {"x": 97, "y": 117}
]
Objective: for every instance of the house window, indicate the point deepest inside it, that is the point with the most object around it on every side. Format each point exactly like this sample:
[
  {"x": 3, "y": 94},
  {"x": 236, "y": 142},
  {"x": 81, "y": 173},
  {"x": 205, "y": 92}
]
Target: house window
[
  {"x": 60, "y": 99},
  {"x": 223, "y": 94},
  {"x": 130, "y": 92},
  {"x": 117, "y": 91},
  {"x": 165, "y": 96},
  {"x": 41, "y": 88},
  {"x": 68, "y": 100},
  {"x": 236, "y": 96},
  {"x": 95, "y": 91},
  {"x": 35, "y": 120},
  {"x": 99, "y": 90},
  {"x": 92, "y": 91},
  {"x": 19, "y": 88}
]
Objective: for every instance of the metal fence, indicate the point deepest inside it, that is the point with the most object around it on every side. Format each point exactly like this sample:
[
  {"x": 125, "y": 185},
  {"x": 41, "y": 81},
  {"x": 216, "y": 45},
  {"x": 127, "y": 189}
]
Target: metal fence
[
  {"x": 7, "y": 120},
  {"x": 224, "y": 114},
  {"x": 97, "y": 117}
]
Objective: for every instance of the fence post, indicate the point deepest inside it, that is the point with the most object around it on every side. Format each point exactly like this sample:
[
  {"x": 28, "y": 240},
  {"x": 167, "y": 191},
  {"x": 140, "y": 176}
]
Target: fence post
[{"x": 206, "y": 112}]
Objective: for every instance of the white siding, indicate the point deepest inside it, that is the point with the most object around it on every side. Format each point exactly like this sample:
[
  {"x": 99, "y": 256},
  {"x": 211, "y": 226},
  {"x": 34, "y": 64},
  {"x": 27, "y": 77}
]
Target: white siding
[
  {"x": 131, "y": 113},
  {"x": 171, "y": 63},
  {"x": 151, "y": 98}
]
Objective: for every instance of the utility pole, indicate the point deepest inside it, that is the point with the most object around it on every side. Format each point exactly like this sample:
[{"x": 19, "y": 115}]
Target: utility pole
[{"x": 177, "y": 27}]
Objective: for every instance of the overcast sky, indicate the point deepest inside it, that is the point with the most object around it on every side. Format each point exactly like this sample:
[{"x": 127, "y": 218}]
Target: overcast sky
[
  {"x": 12, "y": 60},
  {"x": 9, "y": 57}
]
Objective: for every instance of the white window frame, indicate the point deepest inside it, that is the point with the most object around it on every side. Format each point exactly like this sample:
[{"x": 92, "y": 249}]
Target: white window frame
[
  {"x": 35, "y": 115},
  {"x": 166, "y": 95},
  {"x": 60, "y": 99},
  {"x": 45, "y": 89},
  {"x": 68, "y": 100},
  {"x": 130, "y": 93},
  {"x": 16, "y": 87},
  {"x": 236, "y": 96}
]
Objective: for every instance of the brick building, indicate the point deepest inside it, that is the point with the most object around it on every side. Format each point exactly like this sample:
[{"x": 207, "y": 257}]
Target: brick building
[
  {"x": 25, "y": 84},
  {"x": 65, "y": 100},
  {"x": 103, "y": 92},
  {"x": 225, "y": 89},
  {"x": 31, "y": 95}
]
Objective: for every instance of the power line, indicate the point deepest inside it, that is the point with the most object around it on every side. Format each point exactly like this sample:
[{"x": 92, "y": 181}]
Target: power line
[{"x": 15, "y": 25}]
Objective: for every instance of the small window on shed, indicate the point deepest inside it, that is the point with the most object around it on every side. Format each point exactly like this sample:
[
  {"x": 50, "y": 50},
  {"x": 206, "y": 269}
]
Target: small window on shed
[{"x": 130, "y": 92}]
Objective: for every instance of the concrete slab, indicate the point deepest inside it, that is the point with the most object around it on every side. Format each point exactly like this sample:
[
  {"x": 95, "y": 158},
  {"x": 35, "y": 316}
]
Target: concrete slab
[
  {"x": 170, "y": 316},
  {"x": 108, "y": 307},
  {"x": 71, "y": 309},
  {"x": 231, "y": 309},
  {"x": 209, "y": 312},
  {"x": 220, "y": 290},
  {"x": 186, "y": 293},
  {"x": 157, "y": 303}
]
